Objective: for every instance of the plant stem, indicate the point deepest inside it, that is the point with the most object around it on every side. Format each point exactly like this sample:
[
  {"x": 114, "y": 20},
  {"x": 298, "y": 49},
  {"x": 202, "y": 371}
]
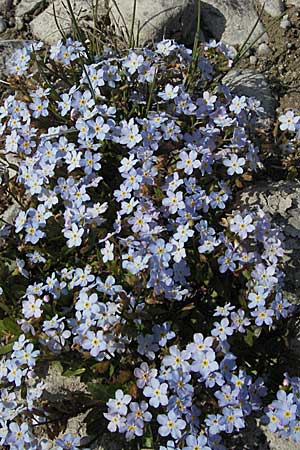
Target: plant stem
[
  {"x": 197, "y": 35},
  {"x": 131, "y": 38}
]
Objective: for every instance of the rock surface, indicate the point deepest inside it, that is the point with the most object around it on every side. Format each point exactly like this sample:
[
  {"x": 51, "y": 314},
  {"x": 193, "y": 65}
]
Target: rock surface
[
  {"x": 10, "y": 213},
  {"x": 273, "y": 7},
  {"x": 253, "y": 84},
  {"x": 282, "y": 201},
  {"x": 62, "y": 389},
  {"x": 232, "y": 21},
  {"x": 157, "y": 19},
  {"x": 27, "y": 7},
  {"x": 44, "y": 27},
  {"x": 280, "y": 444},
  {"x": 229, "y": 20}
]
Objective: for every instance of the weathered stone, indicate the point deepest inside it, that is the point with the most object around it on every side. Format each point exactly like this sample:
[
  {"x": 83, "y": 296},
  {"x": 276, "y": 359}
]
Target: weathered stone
[
  {"x": 232, "y": 21},
  {"x": 44, "y": 26},
  {"x": 62, "y": 390},
  {"x": 293, "y": 2},
  {"x": 275, "y": 443},
  {"x": 281, "y": 200},
  {"x": 157, "y": 19},
  {"x": 28, "y": 7},
  {"x": 273, "y": 7},
  {"x": 10, "y": 213},
  {"x": 252, "y": 84},
  {"x": 12, "y": 162},
  {"x": 263, "y": 49}
]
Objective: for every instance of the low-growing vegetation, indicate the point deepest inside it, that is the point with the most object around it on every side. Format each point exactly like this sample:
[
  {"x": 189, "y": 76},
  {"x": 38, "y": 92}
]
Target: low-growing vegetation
[{"x": 130, "y": 262}]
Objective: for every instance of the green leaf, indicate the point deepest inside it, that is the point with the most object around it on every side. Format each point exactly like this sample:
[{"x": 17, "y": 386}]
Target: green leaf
[
  {"x": 4, "y": 349},
  {"x": 74, "y": 372},
  {"x": 8, "y": 325},
  {"x": 4, "y": 307},
  {"x": 247, "y": 274},
  {"x": 249, "y": 338},
  {"x": 11, "y": 326},
  {"x": 148, "y": 442},
  {"x": 111, "y": 370},
  {"x": 102, "y": 392}
]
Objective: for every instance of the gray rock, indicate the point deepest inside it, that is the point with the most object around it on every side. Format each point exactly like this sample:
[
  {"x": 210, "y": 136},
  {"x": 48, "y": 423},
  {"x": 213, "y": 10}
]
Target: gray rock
[
  {"x": 44, "y": 27},
  {"x": 10, "y": 213},
  {"x": 232, "y": 21},
  {"x": 157, "y": 19},
  {"x": 3, "y": 25},
  {"x": 24, "y": 8},
  {"x": 252, "y": 84},
  {"x": 253, "y": 60},
  {"x": 12, "y": 161},
  {"x": 275, "y": 443},
  {"x": 28, "y": 7},
  {"x": 293, "y": 2},
  {"x": 281, "y": 200},
  {"x": 62, "y": 391},
  {"x": 273, "y": 7},
  {"x": 263, "y": 49}
]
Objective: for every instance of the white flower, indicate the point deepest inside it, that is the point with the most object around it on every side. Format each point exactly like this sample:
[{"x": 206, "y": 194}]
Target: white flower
[
  {"x": 288, "y": 121},
  {"x": 107, "y": 252},
  {"x": 74, "y": 236},
  {"x": 234, "y": 164}
]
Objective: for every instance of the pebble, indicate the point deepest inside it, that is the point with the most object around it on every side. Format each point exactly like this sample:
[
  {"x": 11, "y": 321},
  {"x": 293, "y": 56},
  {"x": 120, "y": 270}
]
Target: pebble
[
  {"x": 263, "y": 50},
  {"x": 3, "y": 25},
  {"x": 285, "y": 24},
  {"x": 253, "y": 60},
  {"x": 19, "y": 23}
]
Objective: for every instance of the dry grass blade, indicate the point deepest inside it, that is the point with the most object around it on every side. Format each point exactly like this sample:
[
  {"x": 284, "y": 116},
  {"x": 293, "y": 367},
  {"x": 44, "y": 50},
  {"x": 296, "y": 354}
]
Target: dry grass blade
[{"x": 122, "y": 18}]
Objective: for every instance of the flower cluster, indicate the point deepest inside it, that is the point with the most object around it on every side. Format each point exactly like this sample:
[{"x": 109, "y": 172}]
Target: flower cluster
[
  {"x": 282, "y": 415},
  {"x": 289, "y": 142},
  {"x": 132, "y": 257}
]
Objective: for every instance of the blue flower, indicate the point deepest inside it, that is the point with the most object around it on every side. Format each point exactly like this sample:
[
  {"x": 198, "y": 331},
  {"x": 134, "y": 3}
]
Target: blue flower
[
  {"x": 196, "y": 443},
  {"x": 170, "y": 424}
]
